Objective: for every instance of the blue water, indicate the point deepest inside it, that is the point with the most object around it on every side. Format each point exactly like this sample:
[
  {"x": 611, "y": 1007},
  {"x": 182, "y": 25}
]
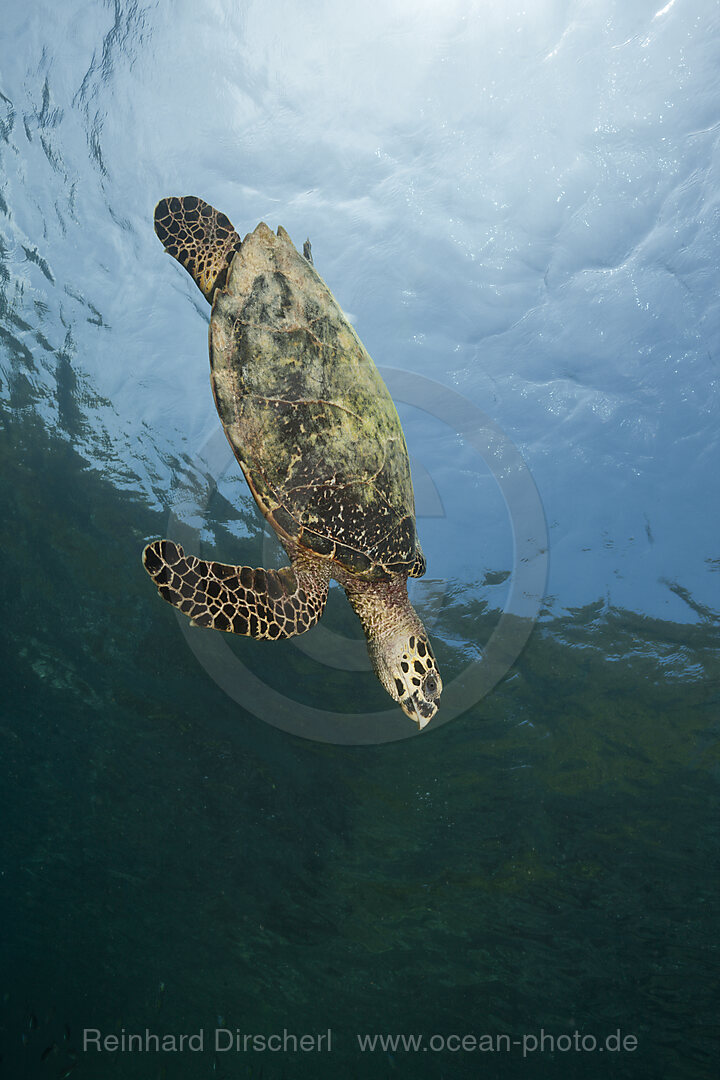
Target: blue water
[{"x": 518, "y": 204}]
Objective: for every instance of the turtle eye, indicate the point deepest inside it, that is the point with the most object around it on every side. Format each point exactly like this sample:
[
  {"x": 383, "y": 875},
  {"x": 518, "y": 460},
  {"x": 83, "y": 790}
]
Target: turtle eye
[{"x": 430, "y": 686}]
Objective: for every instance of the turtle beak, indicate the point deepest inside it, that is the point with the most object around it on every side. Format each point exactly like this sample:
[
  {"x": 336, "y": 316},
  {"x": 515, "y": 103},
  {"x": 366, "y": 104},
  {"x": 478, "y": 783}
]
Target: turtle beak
[
  {"x": 425, "y": 710},
  {"x": 419, "y": 709}
]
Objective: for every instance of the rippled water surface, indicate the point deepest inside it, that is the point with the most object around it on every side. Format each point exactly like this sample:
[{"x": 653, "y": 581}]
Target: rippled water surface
[{"x": 519, "y": 204}]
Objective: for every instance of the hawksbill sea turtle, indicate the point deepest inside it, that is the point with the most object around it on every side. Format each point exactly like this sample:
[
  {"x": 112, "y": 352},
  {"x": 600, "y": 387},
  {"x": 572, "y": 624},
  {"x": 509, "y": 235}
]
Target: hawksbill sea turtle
[{"x": 319, "y": 441}]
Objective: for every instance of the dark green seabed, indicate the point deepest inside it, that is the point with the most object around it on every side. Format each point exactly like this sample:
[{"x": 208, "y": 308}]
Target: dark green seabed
[{"x": 548, "y": 861}]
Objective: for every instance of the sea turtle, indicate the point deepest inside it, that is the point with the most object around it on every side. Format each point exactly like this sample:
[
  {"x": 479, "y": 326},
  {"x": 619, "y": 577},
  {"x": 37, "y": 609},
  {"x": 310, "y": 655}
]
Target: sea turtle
[{"x": 319, "y": 440}]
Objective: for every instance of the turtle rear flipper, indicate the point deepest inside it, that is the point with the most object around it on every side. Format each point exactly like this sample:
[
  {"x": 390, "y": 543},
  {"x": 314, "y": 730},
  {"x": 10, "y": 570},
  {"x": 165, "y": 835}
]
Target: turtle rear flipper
[
  {"x": 199, "y": 237},
  {"x": 262, "y": 604}
]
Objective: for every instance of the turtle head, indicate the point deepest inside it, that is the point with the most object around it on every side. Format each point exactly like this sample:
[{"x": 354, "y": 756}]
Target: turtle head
[
  {"x": 398, "y": 645},
  {"x": 405, "y": 665}
]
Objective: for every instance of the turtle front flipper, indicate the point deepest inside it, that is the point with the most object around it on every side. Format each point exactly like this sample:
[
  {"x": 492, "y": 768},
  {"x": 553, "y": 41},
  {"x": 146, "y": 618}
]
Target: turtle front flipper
[
  {"x": 262, "y": 604},
  {"x": 199, "y": 237},
  {"x": 419, "y": 567}
]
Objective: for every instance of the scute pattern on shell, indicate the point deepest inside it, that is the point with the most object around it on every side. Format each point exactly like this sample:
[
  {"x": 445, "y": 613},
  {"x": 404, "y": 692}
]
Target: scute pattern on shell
[{"x": 307, "y": 413}]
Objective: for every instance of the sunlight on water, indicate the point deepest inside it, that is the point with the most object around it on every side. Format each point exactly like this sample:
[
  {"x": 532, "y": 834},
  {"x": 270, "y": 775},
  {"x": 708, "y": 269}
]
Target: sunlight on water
[{"x": 536, "y": 232}]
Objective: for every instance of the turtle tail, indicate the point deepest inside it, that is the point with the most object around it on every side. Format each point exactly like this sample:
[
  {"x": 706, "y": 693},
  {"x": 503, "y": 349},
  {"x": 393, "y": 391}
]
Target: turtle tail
[{"x": 199, "y": 237}]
